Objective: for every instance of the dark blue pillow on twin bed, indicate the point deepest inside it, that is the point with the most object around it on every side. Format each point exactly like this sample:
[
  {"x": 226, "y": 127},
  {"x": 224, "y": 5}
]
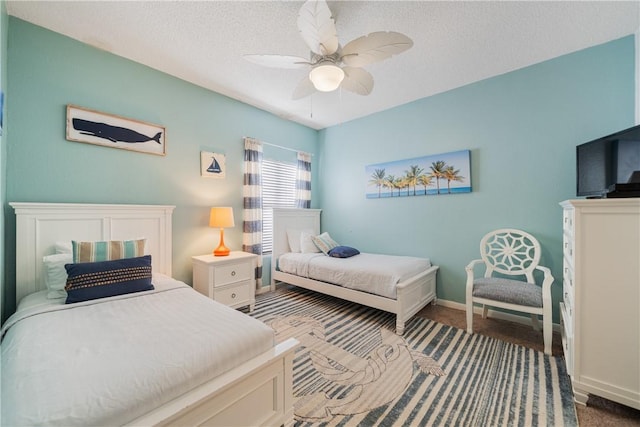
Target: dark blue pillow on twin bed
[
  {"x": 343, "y": 252},
  {"x": 93, "y": 280}
]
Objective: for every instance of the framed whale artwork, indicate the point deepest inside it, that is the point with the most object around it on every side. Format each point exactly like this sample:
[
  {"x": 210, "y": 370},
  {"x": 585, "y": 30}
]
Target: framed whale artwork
[{"x": 93, "y": 127}]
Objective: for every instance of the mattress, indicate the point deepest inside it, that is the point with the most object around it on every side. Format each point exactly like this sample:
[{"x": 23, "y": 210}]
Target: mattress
[
  {"x": 109, "y": 361},
  {"x": 373, "y": 273}
]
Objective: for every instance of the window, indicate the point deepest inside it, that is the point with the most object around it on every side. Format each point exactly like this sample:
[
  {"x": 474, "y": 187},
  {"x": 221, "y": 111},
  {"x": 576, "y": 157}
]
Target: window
[{"x": 278, "y": 191}]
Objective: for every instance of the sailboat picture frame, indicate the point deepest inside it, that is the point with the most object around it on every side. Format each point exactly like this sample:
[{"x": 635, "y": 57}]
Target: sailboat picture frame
[{"x": 212, "y": 165}]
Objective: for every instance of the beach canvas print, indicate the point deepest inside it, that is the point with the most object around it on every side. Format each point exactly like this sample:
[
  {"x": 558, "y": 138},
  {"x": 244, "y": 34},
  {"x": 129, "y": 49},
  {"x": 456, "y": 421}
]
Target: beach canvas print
[
  {"x": 94, "y": 127},
  {"x": 448, "y": 173}
]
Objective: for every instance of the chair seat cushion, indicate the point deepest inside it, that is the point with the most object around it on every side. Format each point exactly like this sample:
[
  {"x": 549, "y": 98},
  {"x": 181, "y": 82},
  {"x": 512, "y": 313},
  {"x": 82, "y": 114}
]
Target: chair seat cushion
[{"x": 509, "y": 291}]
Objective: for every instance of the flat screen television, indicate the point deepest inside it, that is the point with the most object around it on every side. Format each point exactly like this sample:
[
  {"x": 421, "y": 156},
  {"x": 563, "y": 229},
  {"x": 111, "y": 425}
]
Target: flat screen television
[{"x": 610, "y": 166}]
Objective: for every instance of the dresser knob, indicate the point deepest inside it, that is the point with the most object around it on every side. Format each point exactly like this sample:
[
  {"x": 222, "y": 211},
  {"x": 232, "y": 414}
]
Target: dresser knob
[
  {"x": 233, "y": 295},
  {"x": 233, "y": 273}
]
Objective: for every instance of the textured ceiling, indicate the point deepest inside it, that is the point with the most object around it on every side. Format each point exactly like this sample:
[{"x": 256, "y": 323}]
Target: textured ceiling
[{"x": 455, "y": 43}]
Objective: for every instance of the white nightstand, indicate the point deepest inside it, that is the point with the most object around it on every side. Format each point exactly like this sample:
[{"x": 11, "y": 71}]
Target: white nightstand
[{"x": 226, "y": 279}]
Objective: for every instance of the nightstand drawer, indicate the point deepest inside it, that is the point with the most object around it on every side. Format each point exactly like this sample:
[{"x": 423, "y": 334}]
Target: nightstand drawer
[
  {"x": 227, "y": 279},
  {"x": 232, "y": 273},
  {"x": 235, "y": 295}
]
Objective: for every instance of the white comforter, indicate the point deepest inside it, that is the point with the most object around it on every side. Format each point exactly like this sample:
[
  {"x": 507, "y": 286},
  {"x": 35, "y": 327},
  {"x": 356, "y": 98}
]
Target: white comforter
[
  {"x": 373, "y": 273},
  {"x": 109, "y": 361}
]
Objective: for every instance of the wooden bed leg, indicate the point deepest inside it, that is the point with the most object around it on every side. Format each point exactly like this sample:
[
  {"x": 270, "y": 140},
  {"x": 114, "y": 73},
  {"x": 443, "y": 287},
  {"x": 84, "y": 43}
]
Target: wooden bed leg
[{"x": 399, "y": 327}]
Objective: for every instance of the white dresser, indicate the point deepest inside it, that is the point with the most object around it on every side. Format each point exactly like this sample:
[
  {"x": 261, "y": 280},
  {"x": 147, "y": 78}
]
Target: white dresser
[
  {"x": 600, "y": 315},
  {"x": 227, "y": 279}
]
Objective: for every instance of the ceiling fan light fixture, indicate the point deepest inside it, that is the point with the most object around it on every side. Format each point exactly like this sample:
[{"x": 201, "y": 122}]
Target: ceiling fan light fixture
[{"x": 326, "y": 77}]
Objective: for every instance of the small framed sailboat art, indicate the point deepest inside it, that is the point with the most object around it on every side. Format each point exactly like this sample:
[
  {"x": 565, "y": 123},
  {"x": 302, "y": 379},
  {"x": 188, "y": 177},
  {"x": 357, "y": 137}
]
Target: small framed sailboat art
[{"x": 212, "y": 165}]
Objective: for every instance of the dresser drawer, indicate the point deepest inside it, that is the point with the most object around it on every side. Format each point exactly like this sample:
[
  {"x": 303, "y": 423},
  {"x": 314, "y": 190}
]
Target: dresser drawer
[
  {"x": 568, "y": 290},
  {"x": 568, "y": 247},
  {"x": 232, "y": 273},
  {"x": 238, "y": 294},
  {"x": 567, "y": 221},
  {"x": 566, "y": 333}
]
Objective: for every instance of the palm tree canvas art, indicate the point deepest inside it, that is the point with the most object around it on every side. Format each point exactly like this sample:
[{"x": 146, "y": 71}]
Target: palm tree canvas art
[{"x": 447, "y": 173}]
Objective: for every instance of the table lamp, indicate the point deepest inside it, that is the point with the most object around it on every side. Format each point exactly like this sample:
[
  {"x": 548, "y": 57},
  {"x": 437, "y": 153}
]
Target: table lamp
[{"x": 221, "y": 218}]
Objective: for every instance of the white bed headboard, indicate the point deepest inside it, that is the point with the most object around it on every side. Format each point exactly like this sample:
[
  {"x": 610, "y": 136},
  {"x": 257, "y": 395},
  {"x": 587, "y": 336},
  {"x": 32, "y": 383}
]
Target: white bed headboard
[
  {"x": 40, "y": 225},
  {"x": 291, "y": 218}
]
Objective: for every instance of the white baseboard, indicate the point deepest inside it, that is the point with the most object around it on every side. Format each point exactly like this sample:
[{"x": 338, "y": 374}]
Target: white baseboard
[{"x": 523, "y": 320}]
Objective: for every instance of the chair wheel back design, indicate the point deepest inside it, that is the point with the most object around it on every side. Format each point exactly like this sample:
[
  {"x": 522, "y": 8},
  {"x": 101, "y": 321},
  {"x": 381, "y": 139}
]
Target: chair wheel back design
[{"x": 510, "y": 252}]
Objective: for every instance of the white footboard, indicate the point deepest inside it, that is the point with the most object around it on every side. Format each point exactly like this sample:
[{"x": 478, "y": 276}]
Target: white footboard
[
  {"x": 412, "y": 295},
  {"x": 259, "y": 392}
]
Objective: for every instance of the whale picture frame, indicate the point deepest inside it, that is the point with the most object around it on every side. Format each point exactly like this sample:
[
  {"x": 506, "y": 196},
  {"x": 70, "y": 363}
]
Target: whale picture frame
[{"x": 108, "y": 130}]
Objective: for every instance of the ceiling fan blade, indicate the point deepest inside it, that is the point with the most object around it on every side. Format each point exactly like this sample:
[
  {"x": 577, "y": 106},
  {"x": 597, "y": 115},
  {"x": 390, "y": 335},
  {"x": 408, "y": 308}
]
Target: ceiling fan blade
[
  {"x": 317, "y": 27},
  {"x": 279, "y": 61},
  {"x": 374, "y": 47},
  {"x": 304, "y": 88},
  {"x": 357, "y": 80}
]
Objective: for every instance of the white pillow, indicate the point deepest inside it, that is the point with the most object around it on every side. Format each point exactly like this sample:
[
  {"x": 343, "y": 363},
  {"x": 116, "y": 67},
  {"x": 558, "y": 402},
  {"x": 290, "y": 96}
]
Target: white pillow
[
  {"x": 306, "y": 244},
  {"x": 63, "y": 247},
  {"x": 293, "y": 236},
  {"x": 55, "y": 275}
]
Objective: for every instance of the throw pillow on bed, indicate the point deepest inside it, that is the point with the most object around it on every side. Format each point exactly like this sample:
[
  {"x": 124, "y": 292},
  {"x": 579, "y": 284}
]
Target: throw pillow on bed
[
  {"x": 324, "y": 242},
  {"x": 293, "y": 236},
  {"x": 94, "y": 280},
  {"x": 107, "y": 250},
  {"x": 343, "y": 252},
  {"x": 55, "y": 275},
  {"x": 306, "y": 244}
]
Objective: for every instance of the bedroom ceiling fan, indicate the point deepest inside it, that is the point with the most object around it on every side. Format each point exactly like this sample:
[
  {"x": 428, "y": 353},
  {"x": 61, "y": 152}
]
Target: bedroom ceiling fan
[{"x": 331, "y": 65}]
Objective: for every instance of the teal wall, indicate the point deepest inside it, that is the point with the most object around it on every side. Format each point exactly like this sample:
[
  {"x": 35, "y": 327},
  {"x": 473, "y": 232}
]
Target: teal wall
[
  {"x": 522, "y": 129},
  {"x": 47, "y": 71},
  {"x": 4, "y": 18}
]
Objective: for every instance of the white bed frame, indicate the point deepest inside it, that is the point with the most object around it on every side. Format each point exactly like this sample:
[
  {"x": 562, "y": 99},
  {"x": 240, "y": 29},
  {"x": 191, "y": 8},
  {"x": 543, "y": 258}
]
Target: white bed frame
[
  {"x": 258, "y": 392},
  {"x": 412, "y": 294}
]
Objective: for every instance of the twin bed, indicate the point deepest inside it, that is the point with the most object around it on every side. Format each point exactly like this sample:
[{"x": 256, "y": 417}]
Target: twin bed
[
  {"x": 396, "y": 284},
  {"x": 164, "y": 356}
]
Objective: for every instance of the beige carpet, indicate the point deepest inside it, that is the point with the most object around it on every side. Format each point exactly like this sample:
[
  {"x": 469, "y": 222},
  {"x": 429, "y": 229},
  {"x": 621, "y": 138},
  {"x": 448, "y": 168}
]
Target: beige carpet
[{"x": 598, "y": 412}]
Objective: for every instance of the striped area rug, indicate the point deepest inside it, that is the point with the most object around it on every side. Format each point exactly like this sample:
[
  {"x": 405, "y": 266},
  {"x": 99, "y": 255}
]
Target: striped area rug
[{"x": 353, "y": 370}]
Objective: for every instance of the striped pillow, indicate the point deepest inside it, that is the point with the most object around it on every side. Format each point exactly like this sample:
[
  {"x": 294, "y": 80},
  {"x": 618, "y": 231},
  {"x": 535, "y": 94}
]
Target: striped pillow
[
  {"x": 107, "y": 250},
  {"x": 324, "y": 242}
]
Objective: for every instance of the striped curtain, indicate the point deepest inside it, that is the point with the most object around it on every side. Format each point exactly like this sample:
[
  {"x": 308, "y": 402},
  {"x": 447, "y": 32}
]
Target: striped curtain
[
  {"x": 303, "y": 181},
  {"x": 252, "y": 203}
]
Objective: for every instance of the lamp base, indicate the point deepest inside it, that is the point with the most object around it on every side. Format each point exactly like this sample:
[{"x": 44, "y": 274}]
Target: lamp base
[{"x": 221, "y": 251}]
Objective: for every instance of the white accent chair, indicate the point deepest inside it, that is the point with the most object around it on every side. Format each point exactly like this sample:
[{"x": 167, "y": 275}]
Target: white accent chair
[{"x": 511, "y": 252}]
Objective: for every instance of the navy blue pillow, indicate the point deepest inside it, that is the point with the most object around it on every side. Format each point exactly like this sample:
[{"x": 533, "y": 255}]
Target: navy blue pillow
[
  {"x": 93, "y": 280},
  {"x": 343, "y": 252}
]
